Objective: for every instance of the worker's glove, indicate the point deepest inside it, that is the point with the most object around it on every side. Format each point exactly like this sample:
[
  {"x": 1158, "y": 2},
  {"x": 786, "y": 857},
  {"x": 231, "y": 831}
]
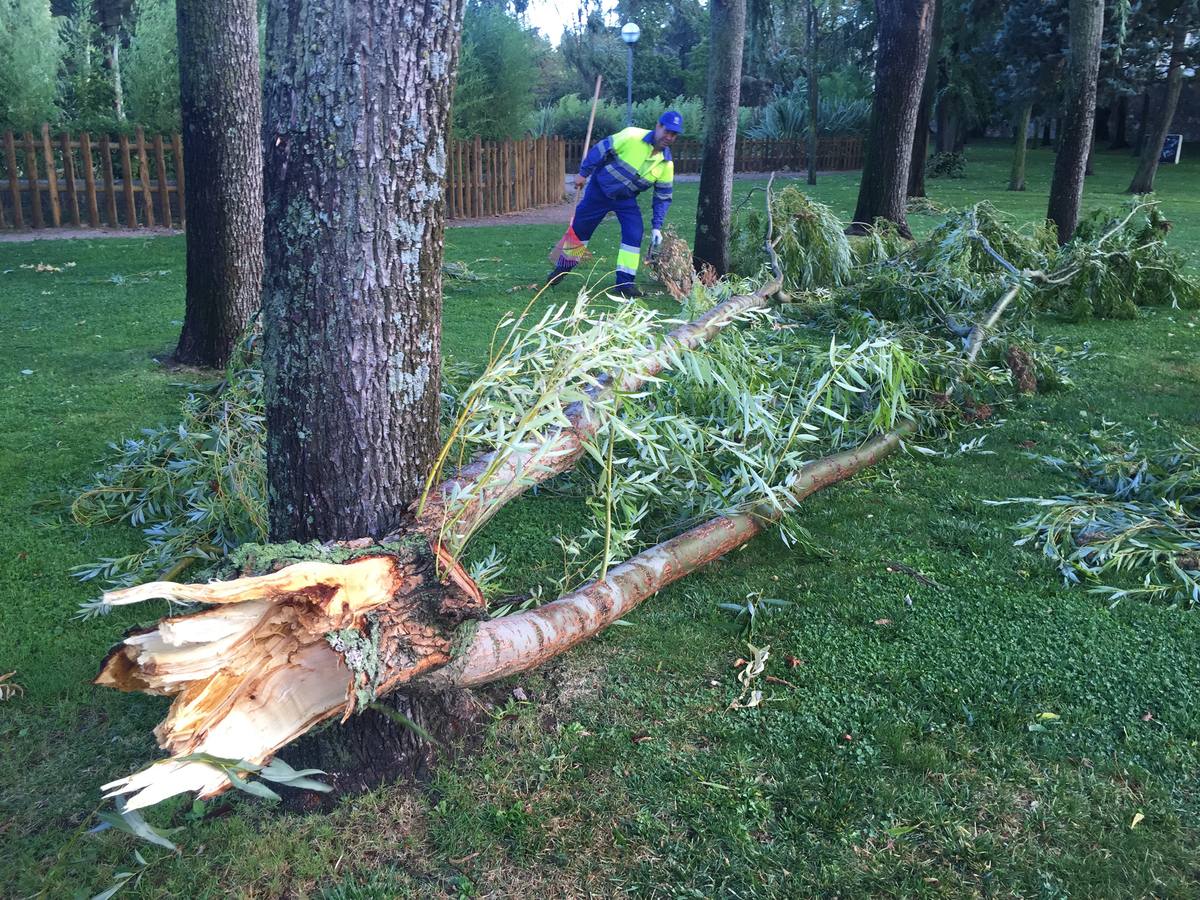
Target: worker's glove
[{"x": 655, "y": 238}]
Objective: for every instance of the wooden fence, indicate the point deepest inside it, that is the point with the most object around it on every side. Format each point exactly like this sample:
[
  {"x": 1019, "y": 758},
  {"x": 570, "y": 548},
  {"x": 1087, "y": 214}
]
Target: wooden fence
[
  {"x": 47, "y": 182},
  {"x": 133, "y": 182},
  {"x": 834, "y": 154}
]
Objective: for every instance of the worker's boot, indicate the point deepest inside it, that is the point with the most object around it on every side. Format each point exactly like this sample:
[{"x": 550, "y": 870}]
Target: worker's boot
[
  {"x": 627, "y": 289},
  {"x": 559, "y": 273}
]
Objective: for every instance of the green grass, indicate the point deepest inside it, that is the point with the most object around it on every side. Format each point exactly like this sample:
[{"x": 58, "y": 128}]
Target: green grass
[{"x": 908, "y": 756}]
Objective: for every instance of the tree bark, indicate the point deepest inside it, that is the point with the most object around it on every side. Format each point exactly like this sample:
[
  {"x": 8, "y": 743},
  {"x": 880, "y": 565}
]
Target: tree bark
[
  {"x": 1156, "y": 134},
  {"x": 727, "y": 35},
  {"x": 920, "y": 150},
  {"x": 1075, "y": 139},
  {"x": 905, "y": 31},
  {"x": 1143, "y": 124},
  {"x": 1120, "y": 138},
  {"x": 221, "y": 110},
  {"x": 357, "y": 112},
  {"x": 1016, "y": 179},
  {"x": 1047, "y": 134}
]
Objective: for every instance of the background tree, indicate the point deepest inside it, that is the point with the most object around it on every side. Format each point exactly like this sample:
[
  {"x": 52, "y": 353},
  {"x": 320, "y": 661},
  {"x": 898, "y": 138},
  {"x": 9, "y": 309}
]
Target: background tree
[
  {"x": 150, "y": 67},
  {"x": 221, "y": 106},
  {"x": 497, "y": 64},
  {"x": 920, "y": 149},
  {"x": 1179, "y": 25},
  {"x": 905, "y": 30},
  {"x": 728, "y": 33},
  {"x": 30, "y": 50},
  {"x": 1079, "y": 109}
]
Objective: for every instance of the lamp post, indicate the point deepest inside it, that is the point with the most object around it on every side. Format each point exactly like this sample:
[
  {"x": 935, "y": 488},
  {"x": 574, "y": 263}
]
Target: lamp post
[{"x": 629, "y": 34}]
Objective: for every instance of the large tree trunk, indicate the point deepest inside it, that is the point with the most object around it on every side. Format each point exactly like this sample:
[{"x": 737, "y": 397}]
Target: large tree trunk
[
  {"x": 1075, "y": 139},
  {"x": 920, "y": 150},
  {"x": 727, "y": 36},
  {"x": 1120, "y": 138},
  {"x": 905, "y": 30},
  {"x": 1143, "y": 124},
  {"x": 813, "y": 92},
  {"x": 1156, "y": 133},
  {"x": 1016, "y": 178},
  {"x": 357, "y": 109},
  {"x": 221, "y": 108}
]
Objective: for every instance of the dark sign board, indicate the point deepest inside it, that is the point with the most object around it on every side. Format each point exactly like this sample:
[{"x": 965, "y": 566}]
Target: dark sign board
[{"x": 1172, "y": 147}]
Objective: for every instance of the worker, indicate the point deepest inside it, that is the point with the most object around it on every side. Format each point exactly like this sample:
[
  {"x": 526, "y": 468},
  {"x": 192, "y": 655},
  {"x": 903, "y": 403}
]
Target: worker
[{"x": 616, "y": 170}]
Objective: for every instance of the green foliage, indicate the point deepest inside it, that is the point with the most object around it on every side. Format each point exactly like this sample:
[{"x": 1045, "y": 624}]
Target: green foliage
[
  {"x": 786, "y": 117},
  {"x": 30, "y": 51},
  {"x": 1132, "y": 526},
  {"x": 947, "y": 165},
  {"x": 497, "y": 65},
  {"x": 86, "y": 86},
  {"x": 150, "y": 67},
  {"x": 810, "y": 240},
  {"x": 568, "y": 116}
]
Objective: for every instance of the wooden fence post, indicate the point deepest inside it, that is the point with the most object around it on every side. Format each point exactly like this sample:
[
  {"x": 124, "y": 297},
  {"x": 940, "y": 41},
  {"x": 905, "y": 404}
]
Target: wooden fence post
[
  {"x": 180, "y": 193},
  {"x": 131, "y": 220},
  {"x": 144, "y": 173},
  {"x": 14, "y": 186},
  {"x": 160, "y": 170},
  {"x": 31, "y": 177},
  {"x": 477, "y": 203},
  {"x": 89, "y": 178},
  {"x": 69, "y": 178},
  {"x": 51, "y": 176}
]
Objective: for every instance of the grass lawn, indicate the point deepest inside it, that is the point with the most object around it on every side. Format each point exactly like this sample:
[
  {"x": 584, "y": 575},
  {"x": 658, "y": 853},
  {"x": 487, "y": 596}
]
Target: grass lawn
[{"x": 907, "y": 753}]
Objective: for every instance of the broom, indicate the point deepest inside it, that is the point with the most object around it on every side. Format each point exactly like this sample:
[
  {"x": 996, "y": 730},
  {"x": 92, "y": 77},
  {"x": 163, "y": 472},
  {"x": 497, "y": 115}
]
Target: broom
[{"x": 570, "y": 249}]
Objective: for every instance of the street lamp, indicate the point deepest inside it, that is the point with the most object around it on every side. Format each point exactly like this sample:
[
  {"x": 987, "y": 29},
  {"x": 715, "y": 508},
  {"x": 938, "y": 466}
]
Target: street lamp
[{"x": 629, "y": 34}]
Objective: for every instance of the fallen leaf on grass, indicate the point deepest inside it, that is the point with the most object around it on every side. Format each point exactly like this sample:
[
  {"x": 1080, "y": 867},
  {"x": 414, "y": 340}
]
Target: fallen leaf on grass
[
  {"x": 793, "y": 661},
  {"x": 883, "y": 621},
  {"x": 1147, "y": 716},
  {"x": 640, "y": 738},
  {"x": 773, "y": 680},
  {"x": 1137, "y": 818}
]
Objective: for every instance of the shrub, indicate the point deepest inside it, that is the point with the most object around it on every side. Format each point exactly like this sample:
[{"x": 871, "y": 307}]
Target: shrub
[
  {"x": 151, "y": 67},
  {"x": 947, "y": 165},
  {"x": 30, "y": 51}
]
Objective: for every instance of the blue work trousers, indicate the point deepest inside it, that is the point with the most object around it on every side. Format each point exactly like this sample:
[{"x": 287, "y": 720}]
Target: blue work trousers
[{"x": 592, "y": 209}]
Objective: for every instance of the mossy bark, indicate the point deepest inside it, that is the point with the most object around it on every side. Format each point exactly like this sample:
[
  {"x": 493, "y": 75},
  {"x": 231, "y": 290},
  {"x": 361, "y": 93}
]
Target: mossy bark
[
  {"x": 1079, "y": 110},
  {"x": 357, "y": 99},
  {"x": 905, "y": 31},
  {"x": 727, "y": 35},
  {"x": 221, "y": 112}
]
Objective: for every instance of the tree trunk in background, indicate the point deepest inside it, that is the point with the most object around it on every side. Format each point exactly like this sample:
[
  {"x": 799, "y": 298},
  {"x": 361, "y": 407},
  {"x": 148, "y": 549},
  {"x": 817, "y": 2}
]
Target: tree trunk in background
[
  {"x": 1142, "y": 124},
  {"x": 920, "y": 150},
  {"x": 813, "y": 92},
  {"x": 221, "y": 107},
  {"x": 727, "y": 36},
  {"x": 114, "y": 66},
  {"x": 1120, "y": 138},
  {"x": 357, "y": 100},
  {"x": 905, "y": 31},
  {"x": 1079, "y": 109},
  {"x": 1047, "y": 139},
  {"x": 1016, "y": 179},
  {"x": 1156, "y": 133}
]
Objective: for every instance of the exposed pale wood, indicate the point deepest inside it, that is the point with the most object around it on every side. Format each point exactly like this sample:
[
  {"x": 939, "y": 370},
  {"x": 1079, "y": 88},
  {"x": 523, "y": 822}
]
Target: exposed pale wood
[
  {"x": 69, "y": 178},
  {"x": 144, "y": 177},
  {"x": 51, "y": 176},
  {"x": 160, "y": 171},
  {"x": 31, "y": 179},
  {"x": 14, "y": 186},
  {"x": 131, "y": 219},
  {"x": 89, "y": 178}
]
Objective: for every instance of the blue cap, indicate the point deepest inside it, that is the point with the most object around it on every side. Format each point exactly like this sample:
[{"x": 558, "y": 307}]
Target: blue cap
[{"x": 671, "y": 120}]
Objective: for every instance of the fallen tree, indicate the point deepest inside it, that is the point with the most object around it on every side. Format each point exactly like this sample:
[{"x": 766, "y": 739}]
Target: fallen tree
[{"x": 280, "y": 651}]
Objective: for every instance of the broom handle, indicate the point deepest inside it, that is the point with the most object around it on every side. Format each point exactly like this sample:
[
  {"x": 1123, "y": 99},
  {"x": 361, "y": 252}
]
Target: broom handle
[{"x": 587, "y": 141}]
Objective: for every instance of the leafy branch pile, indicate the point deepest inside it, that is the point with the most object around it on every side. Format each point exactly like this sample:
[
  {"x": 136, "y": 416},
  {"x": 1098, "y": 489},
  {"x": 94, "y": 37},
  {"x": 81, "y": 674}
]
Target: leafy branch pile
[{"x": 1134, "y": 513}]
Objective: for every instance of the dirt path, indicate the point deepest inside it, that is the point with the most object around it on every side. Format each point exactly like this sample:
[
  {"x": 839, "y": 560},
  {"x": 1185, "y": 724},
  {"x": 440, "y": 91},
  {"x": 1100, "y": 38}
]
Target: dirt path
[{"x": 559, "y": 214}]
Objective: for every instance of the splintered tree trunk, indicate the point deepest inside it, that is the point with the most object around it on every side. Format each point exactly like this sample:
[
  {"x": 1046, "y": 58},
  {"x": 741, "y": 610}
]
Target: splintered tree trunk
[
  {"x": 905, "y": 29},
  {"x": 357, "y": 109},
  {"x": 720, "y": 134},
  {"x": 1156, "y": 131},
  {"x": 920, "y": 150},
  {"x": 221, "y": 109},
  {"x": 1016, "y": 179},
  {"x": 1079, "y": 109}
]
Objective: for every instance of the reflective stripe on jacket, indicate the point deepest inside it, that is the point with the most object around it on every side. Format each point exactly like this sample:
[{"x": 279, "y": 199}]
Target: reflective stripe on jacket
[{"x": 625, "y": 164}]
